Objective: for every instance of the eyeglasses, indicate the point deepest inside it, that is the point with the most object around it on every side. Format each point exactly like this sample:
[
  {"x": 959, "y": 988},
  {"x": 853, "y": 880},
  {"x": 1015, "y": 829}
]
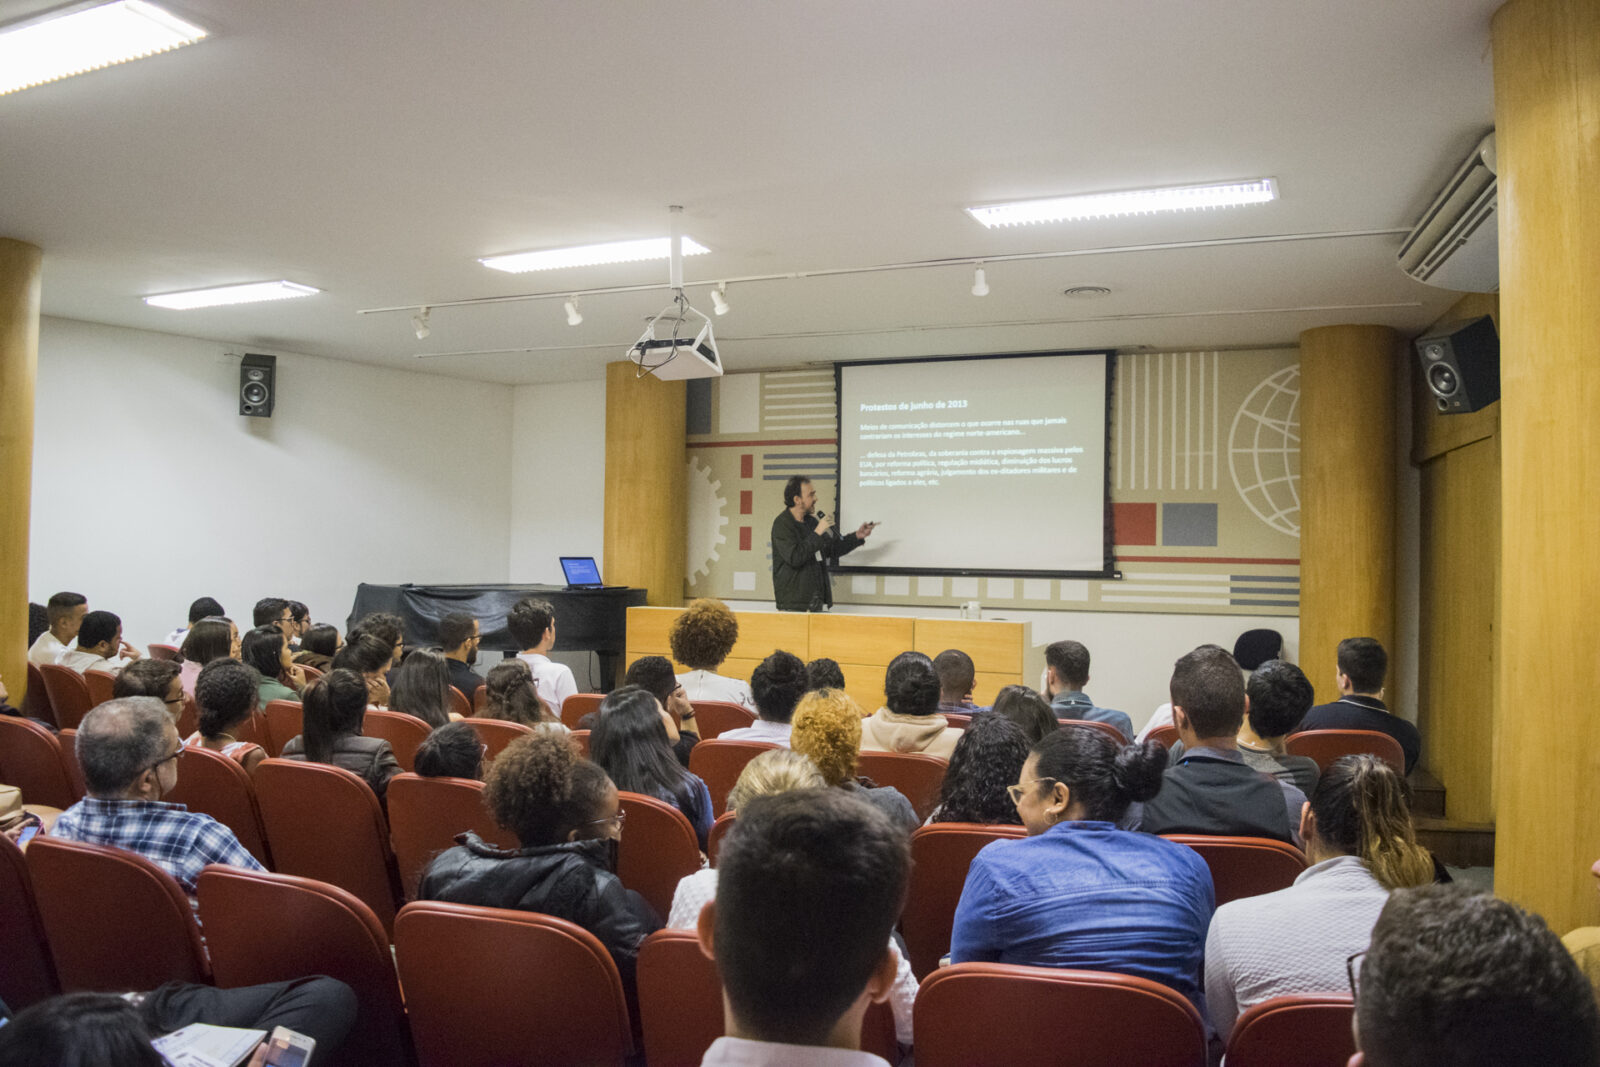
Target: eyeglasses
[
  {"x": 617, "y": 819},
  {"x": 164, "y": 759},
  {"x": 1016, "y": 792},
  {"x": 1353, "y": 972}
]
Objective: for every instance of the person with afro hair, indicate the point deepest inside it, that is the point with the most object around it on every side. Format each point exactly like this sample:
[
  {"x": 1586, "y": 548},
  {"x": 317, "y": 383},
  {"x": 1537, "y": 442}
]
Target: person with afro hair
[{"x": 701, "y": 638}]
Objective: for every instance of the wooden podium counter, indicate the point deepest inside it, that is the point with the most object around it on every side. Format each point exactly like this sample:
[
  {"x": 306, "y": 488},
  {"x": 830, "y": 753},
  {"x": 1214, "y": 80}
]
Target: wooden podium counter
[{"x": 863, "y": 645}]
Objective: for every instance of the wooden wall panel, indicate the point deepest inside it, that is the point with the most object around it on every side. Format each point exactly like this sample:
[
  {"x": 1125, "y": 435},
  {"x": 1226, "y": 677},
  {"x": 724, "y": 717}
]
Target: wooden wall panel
[
  {"x": 860, "y": 639},
  {"x": 761, "y": 633},
  {"x": 19, "y": 361},
  {"x": 646, "y": 508},
  {"x": 995, "y": 647}
]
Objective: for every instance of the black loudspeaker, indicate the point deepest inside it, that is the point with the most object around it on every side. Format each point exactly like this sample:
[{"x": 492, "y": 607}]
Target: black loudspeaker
[
  {"x": 1461, "y": 363},
  {"x": 258, "y": 385}
]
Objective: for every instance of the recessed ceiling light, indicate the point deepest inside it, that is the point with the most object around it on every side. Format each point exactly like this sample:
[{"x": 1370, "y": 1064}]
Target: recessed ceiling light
[
  {"x": 1130, "y": 202},
  {"x": 61, "y": 45},
  {"x": 251, "y": 293},
  {"x": 589, "y": 255},
  {"x": 1086, "y": 292}
]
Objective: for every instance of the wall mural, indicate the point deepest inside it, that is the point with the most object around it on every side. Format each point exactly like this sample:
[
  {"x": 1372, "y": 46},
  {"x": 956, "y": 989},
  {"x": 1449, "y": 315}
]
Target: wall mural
[{"x": 1204, "y": 481}]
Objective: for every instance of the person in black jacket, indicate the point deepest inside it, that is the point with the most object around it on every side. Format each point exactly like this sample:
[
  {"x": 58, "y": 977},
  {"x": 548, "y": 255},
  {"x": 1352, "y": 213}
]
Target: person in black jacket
[
  {"x": 799, "y": 577},
  {"x": 565, "y": 813}
]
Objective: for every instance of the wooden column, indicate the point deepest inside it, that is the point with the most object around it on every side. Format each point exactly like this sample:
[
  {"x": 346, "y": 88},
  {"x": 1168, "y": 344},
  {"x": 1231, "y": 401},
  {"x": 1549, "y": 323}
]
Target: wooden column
[
  {"x": 1547, "y": 770},
  {"x": 19, "y": 364},
  {"x": 647, "y": 513},
  {"x": 1347, "y": 493}
]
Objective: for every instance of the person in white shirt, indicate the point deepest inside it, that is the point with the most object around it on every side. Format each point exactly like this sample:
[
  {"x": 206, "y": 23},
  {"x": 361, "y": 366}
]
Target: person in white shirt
[
  {"x": 778, "y": 682},
  {"x": 796, "y": 863},
  {"x": 100, "y": 645},
  {"x": 66, "y": 612},
  {"x": 204, "y": 608},
  {"x": 532, "y": 624},
  {"x": 701, "y": 638}
]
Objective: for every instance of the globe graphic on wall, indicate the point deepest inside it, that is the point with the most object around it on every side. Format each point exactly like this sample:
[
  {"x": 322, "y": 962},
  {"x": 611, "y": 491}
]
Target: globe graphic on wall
[{"x": 1264, "y": 451}]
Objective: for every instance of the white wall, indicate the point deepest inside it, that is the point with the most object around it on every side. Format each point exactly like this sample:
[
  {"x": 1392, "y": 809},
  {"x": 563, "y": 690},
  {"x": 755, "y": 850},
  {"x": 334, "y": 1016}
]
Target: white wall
[
  {"x": 558, "y": 469},
  {"x": 150, "y": 489}
]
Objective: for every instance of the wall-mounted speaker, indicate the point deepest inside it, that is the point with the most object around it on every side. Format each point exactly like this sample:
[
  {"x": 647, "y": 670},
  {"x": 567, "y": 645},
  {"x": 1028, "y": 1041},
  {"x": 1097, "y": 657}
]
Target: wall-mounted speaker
[
  {"x": 258, "y": 386},
  {"x": 1461, "y": 364}
]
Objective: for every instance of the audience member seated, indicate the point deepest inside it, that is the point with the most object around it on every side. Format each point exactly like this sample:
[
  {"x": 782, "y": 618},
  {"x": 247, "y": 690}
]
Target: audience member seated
[
  {"x": 422, "y": 687},
  {"x": 1066, "y": 673},
  {"x": 226, "y": 695},
  {"x": 273, "y": 612},
  {"x": 827, "y": 728},
  {"x": 369, "y": 656},
  {"x": 318, "y": 645},
  {"x": 129, "y": 750},
  {"x": 459, "y": 637},
  {"x": 38, "y": 622},
  {"x": 1458, "y": 978},
  {"x": 654, "y": 674},
  {"x": 107, "y": 1030},
  {"x": 100, "y": 645},
  {"x": 824, "y": 673},
  {"x": 1029, "y": 711},
  {"x": 1279, "y": 697},
  {"x": 66, "y": 612},
  {"x": 267, "y": 650},
  {"x": 335, "y": 706},
  {"x": 451, "y": 751},
  {"x": 987, "y": 760},
  {"x": 631, "y": 744},
  {"x": 512, "y": 697},
  {"x": 957, "y": 676},
  {"x": 389, "y": 629},
  {"x": 212, "y": 638},
  {"x": 1250, "y": 650},
  {"x": 777, "y": 684},
  {"x": 911, "y": 722},
  {"x": 1078, "y": 891},
  {"x": 1360, "y": 843},
  {"x": 796, "y": 864},
  {"x": 1211, "y": 789},
  {"x": 532, "y": 625},
  {"x": 1362, "y": 665},
  {"x": 203, "y": 608},
  {"x": 299, "y": 622},
  {"x": 565, "y": 813},
  {"x": 152, "y": 678},
  {"x": 701, "y": 637}
]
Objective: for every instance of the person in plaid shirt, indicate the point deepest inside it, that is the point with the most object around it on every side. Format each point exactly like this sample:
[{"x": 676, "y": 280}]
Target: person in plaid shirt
[{"x": 129, "y": 751}]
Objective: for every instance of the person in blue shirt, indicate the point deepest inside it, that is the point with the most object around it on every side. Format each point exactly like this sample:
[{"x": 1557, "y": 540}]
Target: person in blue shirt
[
  {"x": 1078, "y": 892},
  {"x": 1066, "y": 673}
]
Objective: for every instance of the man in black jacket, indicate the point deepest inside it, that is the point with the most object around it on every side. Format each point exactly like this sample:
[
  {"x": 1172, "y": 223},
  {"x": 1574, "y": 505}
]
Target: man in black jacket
[{"x": 802, "y": 543}]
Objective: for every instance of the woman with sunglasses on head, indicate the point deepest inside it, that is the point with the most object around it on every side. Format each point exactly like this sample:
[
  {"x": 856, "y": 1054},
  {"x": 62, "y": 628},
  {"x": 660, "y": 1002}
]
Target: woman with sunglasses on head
[{"x": 1077, "y": 891}]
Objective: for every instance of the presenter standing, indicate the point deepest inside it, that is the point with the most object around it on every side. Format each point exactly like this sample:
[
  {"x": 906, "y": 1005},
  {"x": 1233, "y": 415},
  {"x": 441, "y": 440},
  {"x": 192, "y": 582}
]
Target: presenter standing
[{"x": 803, "y": 541}]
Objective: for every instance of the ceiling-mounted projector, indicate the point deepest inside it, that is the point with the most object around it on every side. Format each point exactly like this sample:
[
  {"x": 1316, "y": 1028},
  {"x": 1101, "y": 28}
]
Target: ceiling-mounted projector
[{"x": 677, "y": 355}]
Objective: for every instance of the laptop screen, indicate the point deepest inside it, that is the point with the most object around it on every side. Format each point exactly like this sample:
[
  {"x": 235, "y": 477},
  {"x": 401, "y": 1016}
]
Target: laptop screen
[{"x": 580, "y": 570}]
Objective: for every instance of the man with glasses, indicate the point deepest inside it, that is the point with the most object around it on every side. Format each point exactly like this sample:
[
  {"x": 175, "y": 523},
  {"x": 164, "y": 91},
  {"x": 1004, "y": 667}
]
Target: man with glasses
[
  {"x": 129, "y": 751},
  {"x": 459, "y": 638}
]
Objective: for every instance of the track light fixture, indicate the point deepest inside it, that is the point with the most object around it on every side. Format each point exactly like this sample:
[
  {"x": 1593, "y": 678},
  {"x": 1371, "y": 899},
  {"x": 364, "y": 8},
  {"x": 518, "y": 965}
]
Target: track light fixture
[
  {"x": 980, "y": 284},
  {"x": 719, "y": 302},
  {"x": 419, "y": 323},
  {"x": 571, "y": 306}
]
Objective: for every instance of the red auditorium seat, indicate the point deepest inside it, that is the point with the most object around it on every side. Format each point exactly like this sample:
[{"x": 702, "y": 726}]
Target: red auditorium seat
[
  {"x": 1165, "y": 736},
  {"x": 426, "y": 814},
  {"x": 459, "y": 704},
  {"x": 1104, "y": 727},
  {"x": 36, "y": 702},
  {"x": 1245, "y": 866},
  {"x": 284, "y": 720},
  {"x": 166, "y": 652},
  {"x": 1307, "y": 1031},
  {"x": 29, "y": 974},
  {"x": 405, "y": 734},
  {"x": 658, "y": 849},
  {"x": 216, "y": 785},
  {"x": 31, "y": 758},
  {"x": 940, "y": 856},
  {"x": 717, "y": 717},
  {"x": 917, "y": 776},
  {"x": 69, "y": 695},
  {"x": 576, "y": 706},
  {"x": 1325, "y": 746},
  {"x": 719, "y": 830},
  {"x": 497, "y": 734},
  {"x": 100, "y": 685},
  {"x": 719, "y": 763}
]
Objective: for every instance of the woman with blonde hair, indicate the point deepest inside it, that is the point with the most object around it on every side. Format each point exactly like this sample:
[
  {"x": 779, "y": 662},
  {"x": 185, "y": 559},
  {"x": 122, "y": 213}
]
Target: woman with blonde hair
[
  {"x": 1361, "y": 845},
  {"x": 701, "y": 637},
  {"x": 827, "y": 727}
]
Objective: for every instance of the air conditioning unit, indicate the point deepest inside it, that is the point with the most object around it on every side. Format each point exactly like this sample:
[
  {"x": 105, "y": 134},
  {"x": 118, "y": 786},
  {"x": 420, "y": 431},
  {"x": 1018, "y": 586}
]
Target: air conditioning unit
[{"x": 1456, "y": 243}]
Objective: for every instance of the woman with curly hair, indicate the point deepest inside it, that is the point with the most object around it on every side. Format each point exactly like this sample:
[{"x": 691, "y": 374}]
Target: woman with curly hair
[
  {"x": 510, "y": 695},
  {"x": 568, "y": 821},
  {"x": 827, "y": 727},
  {"x": 987, "y": 760},
  {"x": 701, "y": 638}
]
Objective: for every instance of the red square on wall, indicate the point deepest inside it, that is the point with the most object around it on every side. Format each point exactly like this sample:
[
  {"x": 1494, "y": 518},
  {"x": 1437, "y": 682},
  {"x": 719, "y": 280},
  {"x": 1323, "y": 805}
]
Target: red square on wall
[
  {"x": 1133, "y": 524},
  {"x": 747, "y": 465},
  {"x": 746, "y": 501},
  {"x": 744, "y": 539}
]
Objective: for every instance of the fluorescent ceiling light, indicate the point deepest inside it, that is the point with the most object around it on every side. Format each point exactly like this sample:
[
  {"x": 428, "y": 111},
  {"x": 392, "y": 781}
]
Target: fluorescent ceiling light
[
  {"x": 251, "y": 293},
  {"x": 59, "y": 46},
  {"x": 589, "y": 255},
  {"x": 1132, "y": 202}
]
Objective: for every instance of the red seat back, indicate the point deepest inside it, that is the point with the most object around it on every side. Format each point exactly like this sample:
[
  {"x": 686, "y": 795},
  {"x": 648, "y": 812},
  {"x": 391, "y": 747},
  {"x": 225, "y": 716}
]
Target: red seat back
[
  {"x": 28, "y": 974},
  {"x": 31, "y": 758},
  {"x": 1325, "y": 746},
  {"x": 36, "y": 701},
  {"x": 480, "y": 699},
  {"x": 254, "y": 730},
  {"x": 577, "y": 706},
  {"x": 166, "y": 652},
  {"x": 405, "y": 734},
  {"x": 1245, "y": 866},
  {"x": 918, "y": 776},
  {"x": 459, "y": 704},
  {"x": 454, "y": 962},
  {"x": 116, "y": 922},
  {"x": 189, "y": 717},
  {"x": 69, "y": 694},
  {"x": 426, "y": 814},
  {"x": 1104, "y": 727},
  {"x": 957, "y": 719},
  {"x": 284, "y": 720},
  {"x": 311, "y": 673},
  {"x": 940, "y": 856},
  {"x": 580, "y": 741},
  {"x": 658, "y": 849},
  {"x": 1001, "y": 1013},
  {"x": 719, "y": 830},
  {"x": 69, "y": 755},
  {"x": 1165, "y": 736},
  {"x": 324, "y": 822},
  {"x": 216, "y": 785},
  {"x": 497, "y": 734},
  {"x": 717, "y": 717},
  {"x": 100, "y": 685},
  {"x": 277, "y": 927},
  {"x": 1305, "y": 1030},
  {"x": 719, "y": 763}
]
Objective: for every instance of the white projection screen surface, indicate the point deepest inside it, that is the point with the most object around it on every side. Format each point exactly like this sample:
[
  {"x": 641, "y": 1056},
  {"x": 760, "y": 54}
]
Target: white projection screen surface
[{"x": 980, "y": 465}]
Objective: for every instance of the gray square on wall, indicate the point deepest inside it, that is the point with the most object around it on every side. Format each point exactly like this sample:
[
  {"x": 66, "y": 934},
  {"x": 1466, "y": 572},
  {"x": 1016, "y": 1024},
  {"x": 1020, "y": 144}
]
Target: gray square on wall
[{"x": 1189, "y": 525}]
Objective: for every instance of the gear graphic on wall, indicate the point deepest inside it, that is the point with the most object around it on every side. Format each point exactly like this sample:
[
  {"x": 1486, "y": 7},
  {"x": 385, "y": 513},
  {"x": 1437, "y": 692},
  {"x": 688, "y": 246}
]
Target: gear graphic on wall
[
  {"x": 706, "y": 521},
  {"x": 1264, "y": 451}
]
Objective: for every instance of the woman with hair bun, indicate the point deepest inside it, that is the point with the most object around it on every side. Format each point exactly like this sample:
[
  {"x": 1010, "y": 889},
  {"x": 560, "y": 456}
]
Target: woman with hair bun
[
  {"x": 910, "y": 720},
  {"x": 1077, "y": 891},
  {"x": 1361, "y": 845}
]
